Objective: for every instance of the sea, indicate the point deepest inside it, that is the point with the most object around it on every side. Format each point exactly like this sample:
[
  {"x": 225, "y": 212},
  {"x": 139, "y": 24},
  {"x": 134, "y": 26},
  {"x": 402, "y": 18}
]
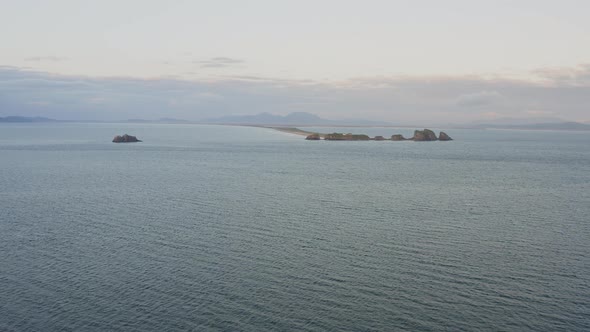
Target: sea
[{"x": 228, "y": 228}]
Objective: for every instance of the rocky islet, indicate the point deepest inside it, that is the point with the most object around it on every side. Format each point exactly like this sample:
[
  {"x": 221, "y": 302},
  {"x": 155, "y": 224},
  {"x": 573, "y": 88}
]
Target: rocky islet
[
  {"x": 125, "y": 139},
  {"x": 425, "y": 135}
]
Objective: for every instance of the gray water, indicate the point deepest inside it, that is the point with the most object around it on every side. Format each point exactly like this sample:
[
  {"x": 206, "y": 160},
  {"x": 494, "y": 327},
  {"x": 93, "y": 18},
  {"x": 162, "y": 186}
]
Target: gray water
[{"x": 234, "y": 228}]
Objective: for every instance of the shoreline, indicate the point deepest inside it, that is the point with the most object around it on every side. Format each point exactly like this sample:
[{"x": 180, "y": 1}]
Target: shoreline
[{"x": 293, "y": 130}]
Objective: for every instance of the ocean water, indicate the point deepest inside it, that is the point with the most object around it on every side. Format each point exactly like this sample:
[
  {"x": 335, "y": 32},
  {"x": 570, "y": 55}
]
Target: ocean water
[{"x": 215, "y": 228}]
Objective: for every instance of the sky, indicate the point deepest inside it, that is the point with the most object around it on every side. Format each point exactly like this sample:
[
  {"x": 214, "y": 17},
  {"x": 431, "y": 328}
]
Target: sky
[{"x": 449, "y": 61}]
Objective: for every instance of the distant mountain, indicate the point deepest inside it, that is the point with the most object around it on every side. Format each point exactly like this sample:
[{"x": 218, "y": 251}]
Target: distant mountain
[
  {"x": 292, "y": 119},
  {"x": 531, "y": 123},
  {"x": 539, "y": 126},
  {"x": 26, "y": 119},
  {"x": 268, "y": 119},
  {"x": 138, "y": 121},
  {"x": 172, "y": 120},
  {"x": 161, "y": 120},
  {"x": 303, "y": 117},
  {"x": 520, "y": 121}
]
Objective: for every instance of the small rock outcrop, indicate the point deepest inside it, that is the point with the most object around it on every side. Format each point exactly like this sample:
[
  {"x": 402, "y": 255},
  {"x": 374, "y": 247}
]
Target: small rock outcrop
[
  {"x": 398, "y": 137},
  {"x": 424, "y": 135},
  {"x": 125, "y": 139},
  {"x": 444, "y": 137},
  {"x": 346, "y": 137}
]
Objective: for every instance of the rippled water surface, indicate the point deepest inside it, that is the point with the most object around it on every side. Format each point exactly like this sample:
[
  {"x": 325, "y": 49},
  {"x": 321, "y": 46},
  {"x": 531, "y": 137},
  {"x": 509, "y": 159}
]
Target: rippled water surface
[{"x": 235, "y": 228}]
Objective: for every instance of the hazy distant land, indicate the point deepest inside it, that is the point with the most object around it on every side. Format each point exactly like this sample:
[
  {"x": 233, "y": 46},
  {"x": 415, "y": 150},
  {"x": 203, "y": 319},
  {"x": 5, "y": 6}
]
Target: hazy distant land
[
  {"x": 288, "y": 122},
  {"x": 21, "y": 119}
]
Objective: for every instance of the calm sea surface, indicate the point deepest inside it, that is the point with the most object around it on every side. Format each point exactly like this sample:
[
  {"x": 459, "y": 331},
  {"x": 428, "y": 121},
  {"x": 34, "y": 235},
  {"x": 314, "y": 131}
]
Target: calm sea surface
[{"x": 234, "y": 228}]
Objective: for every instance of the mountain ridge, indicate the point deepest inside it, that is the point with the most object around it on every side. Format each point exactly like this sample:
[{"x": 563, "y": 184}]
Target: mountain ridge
[
  {"x": 18, "y": 119},
  {"x": 294, "y": 118}
]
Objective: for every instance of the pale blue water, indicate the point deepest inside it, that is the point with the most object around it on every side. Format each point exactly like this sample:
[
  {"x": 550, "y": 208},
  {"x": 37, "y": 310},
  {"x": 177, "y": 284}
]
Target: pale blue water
[{"x": 233, "y": 228}]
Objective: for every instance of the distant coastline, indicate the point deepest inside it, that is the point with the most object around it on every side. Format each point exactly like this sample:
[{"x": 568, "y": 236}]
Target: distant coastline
[{"x": 290, "y": 123}]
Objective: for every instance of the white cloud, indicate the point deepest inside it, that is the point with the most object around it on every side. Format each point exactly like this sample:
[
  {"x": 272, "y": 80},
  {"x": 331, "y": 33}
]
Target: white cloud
[
  {"x": 539, "y": 112},
  {"x": 50, "y": 58},
  {"x": 208, "y": 95},
  {"x": 572, "y": 76},
  {"x": 491, "y": 115},
  {"x": 481, "y": 98},
  {"x": 219, "y": 62},
  {"x": 399, "y": 100}
]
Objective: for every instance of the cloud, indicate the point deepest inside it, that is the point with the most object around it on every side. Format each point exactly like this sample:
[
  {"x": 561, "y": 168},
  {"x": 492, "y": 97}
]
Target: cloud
[
  {"x": 491, "y": 115},
  {"x": 50, "y": 58},
  {"x": 539, "y": 112},
  {"x": 39, "y": 103},
  {"x": 400, "y": 100},
  {"x": 481, "y": 98},
  {"x": 571, "y": 76},
  {"x": 207, "y": 95},
  {"x": 219, "y": 62}
]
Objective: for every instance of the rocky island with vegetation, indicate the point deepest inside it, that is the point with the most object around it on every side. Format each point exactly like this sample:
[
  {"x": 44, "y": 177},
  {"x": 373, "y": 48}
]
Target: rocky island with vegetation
[
  {"x": 125, "y": 139},
  {"x": 425, "y": 135}
]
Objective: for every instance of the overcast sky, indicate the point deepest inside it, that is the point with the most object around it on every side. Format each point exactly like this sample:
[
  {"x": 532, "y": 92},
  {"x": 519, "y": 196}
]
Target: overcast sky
[{"x": 417, "y": 60}]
